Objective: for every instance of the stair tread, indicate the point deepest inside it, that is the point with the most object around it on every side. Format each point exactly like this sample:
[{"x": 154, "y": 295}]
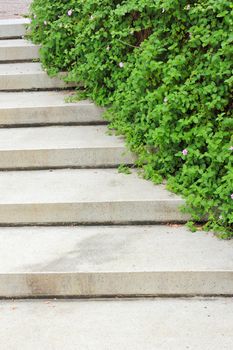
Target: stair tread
[
  {"x": 29, "y": 76},
  {"x": 11, "y": 28},
  {"x": 30, "y": 99},
  {"x": 46, "y": 107},
  {"x": 82, "y": 185},
  {"x": 21, "y": 69},
  {"x": 84, "y": 196},
  {"x": 18, "y": 50},
  {"x": 122, "y": 249},
  {"x": 113, "y": 261},
  {"x": 58, "y": 137},
  {"x": 61, "y": 147}
]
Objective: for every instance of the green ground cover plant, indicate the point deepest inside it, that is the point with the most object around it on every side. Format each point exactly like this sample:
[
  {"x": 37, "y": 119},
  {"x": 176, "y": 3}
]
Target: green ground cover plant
[{"x": 165, "y": 68}]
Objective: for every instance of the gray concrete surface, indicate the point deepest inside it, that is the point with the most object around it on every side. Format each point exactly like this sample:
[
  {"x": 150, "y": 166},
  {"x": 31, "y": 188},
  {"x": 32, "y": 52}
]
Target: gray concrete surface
[
  {"x": 84, "y": 196},
  {"x": 61, "y": 146},
  {"x": 112, "y": 248},
  {"x": 156, "y": 324},
  {"x": 28, "y": 76},
  {"x": 125, "y": 260},
  {"x": 17, "y": 50},
  {"x": 45, "y": 107},
  {"x": 13, "y": 28},
  {"x": 13, "y": 8},
  {"x": 90, "y": 261}
]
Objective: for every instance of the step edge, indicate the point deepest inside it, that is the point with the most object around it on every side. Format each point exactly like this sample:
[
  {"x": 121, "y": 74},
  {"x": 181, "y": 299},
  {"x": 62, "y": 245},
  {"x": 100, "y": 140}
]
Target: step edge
[{"x": 87, "y": 284}]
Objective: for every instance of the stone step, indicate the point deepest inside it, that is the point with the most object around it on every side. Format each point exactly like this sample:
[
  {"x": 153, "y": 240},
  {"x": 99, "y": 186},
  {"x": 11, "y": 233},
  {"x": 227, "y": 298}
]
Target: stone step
[
  {"x": 28, "y": 76},
  {"x": 84, "y": 196},
  {"x": 151, "y": 324},
  {"x": 45, "y": 107},
  {"x": 61, "y": 146},
  {"x": 97, "y": 261},
  {"x": 18, "y": 50},
  {"x": 13, "y": 28}
]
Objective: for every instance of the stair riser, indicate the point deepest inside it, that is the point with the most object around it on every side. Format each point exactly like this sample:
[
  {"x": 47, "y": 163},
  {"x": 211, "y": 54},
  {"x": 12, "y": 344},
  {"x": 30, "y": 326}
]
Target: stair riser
[
  {"x": 31, "y": 82},
  {"x": 64, "y": 158},
  {"x": 83, "y": 114},
  {"x": 92, "y": 213},
  {"x": 19, "y": 53},
  {"x": 110, "y": 284}
]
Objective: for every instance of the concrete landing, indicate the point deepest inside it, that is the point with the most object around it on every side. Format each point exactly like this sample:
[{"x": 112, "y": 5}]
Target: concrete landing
[{"x": 156, "y": 324}]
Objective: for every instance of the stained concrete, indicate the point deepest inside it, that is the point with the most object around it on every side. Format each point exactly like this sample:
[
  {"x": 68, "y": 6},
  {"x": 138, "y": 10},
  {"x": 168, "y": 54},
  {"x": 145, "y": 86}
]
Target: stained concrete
[
  {"x": 123, "y": 261},
  {"x": 156, "y": 324},
  {"x": 112, "y": 248}
]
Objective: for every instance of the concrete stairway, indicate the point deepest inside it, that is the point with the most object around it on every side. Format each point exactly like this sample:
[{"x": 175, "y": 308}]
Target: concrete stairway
[{"x": 71, "y": 225}]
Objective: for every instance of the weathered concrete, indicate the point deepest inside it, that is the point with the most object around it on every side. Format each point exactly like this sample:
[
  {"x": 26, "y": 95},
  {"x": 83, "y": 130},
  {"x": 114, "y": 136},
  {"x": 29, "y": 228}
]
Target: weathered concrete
[
  {"x": 84, "y": 196},
  {"x": 13, "y": 8},
  {"x": 112, "y": 248},
  {"x": 124, "y": 260},
  {"x": 156, "y": 324},
  {"x": 86, "y": 261},
  {"x": 18, "y": 50},
  {"x": 92, "y": 284},
  {"x": 28, "y": 76},
  {"x": 61, "y": 146},
  {"x": 45, "y": 107},
  {"x": 13, "y": 28}
]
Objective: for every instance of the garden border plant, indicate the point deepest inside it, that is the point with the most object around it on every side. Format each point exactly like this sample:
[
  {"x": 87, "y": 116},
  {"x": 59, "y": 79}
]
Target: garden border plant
[{"x": 165, "y": 68}]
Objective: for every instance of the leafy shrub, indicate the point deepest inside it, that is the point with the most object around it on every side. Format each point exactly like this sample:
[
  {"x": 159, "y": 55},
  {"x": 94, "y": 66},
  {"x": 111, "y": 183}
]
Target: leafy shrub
[{"x": 165, "y": 67}]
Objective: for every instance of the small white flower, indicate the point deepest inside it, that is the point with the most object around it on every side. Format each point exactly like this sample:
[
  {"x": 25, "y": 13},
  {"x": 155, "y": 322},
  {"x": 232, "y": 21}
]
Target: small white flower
[
  {"x": 45, "y": 23},
  {"x": 121, "y": 65},
  {"x": 69, "y": 13},
  {"x": 92, "y": 17},
  {"x": 188, "y": 7},
  {"x": 165, "y": 100},
  {"x": 163, "y": 10},
  {"x": 108, "y": 48}
]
